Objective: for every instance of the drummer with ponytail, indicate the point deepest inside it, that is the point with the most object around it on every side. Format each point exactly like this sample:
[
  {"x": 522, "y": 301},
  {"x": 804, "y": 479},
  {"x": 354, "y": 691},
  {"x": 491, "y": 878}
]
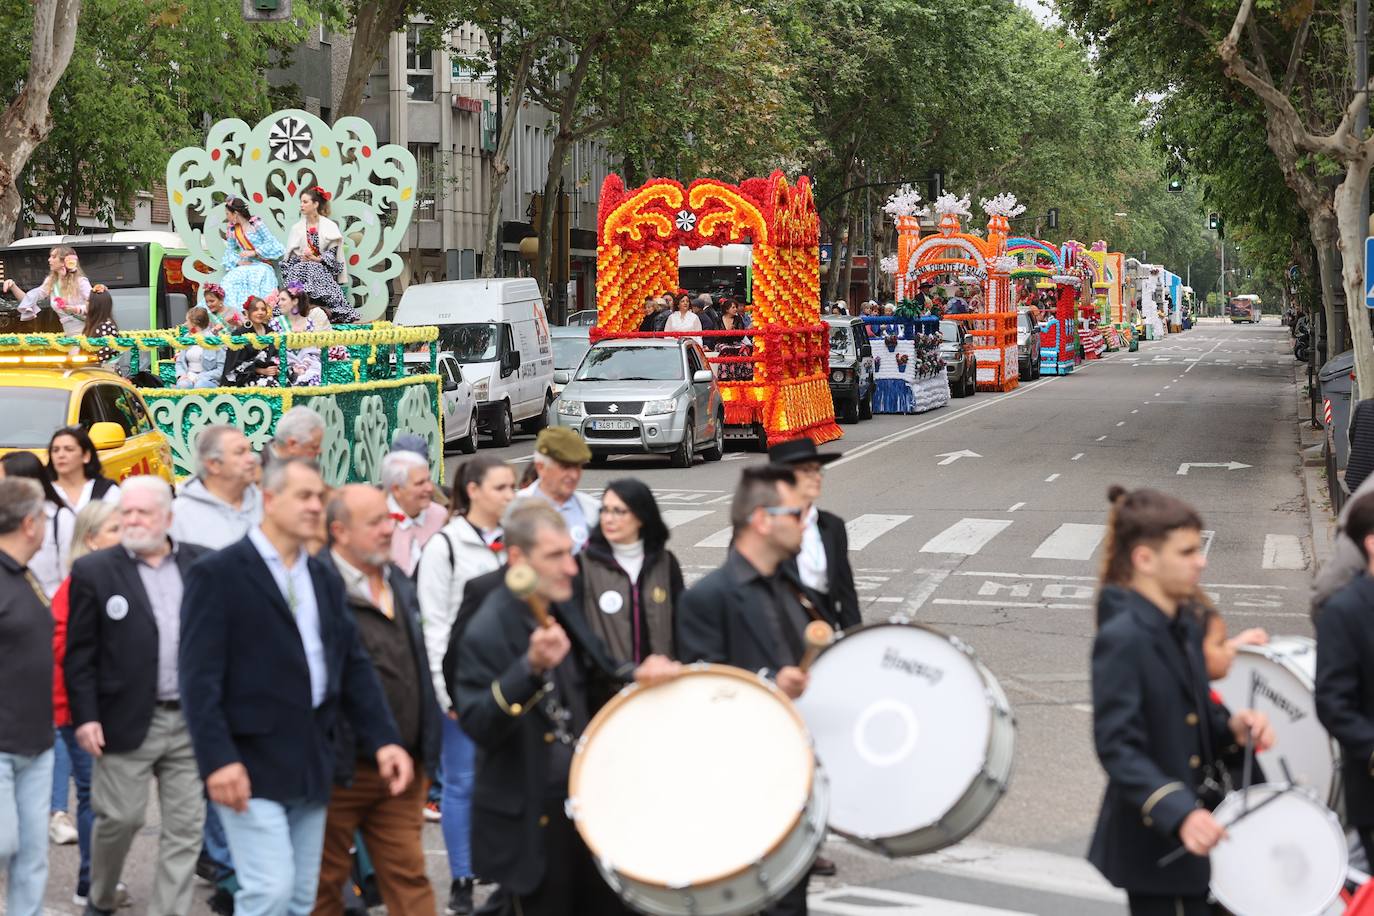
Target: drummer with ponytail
[{"x": 1164, "y": 746}]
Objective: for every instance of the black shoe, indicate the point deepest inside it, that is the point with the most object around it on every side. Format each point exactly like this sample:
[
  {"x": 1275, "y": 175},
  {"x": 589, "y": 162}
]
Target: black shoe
[
  {"x": 460, "y": 897},
  {"x": 221, "y": 902},
  {"x": 823, "y": 867}
]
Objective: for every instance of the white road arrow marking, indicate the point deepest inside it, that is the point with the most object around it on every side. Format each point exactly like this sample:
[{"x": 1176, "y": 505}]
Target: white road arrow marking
[
  {"x": 951, "y": 457},
  {"x": 1228, "y": 465}
]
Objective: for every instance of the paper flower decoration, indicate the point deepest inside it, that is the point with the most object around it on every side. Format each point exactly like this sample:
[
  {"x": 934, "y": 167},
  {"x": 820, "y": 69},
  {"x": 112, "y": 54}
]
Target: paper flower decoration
[
  {"x": 888, "y": 265},
  {"x": 1002, "y": 205},
  {"x": 905, "y": 202}
]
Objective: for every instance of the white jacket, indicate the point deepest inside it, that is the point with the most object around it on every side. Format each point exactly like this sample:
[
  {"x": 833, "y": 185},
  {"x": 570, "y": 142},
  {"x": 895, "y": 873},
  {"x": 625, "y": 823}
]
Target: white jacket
[{"x": 440, "y": 580}]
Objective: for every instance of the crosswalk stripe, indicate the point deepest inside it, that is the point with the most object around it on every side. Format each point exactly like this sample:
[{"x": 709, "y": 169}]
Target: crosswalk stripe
[
  {"x": 864, "y": 901},
  {"x": 1071, "y": 541},
  {"x": 1207, "y": 538},
  {"x": 673, "y": 518},
  {"x": 720, "y": 539},
  {"x": 866, "y": 529},
  {"x": 966, "y": 536},
  {"x": 1283, "y": 551}
]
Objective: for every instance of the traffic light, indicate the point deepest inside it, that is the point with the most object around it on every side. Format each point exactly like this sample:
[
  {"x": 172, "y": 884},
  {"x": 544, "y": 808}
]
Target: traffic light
[
  {"x": 1052, "y": 218},
  {"x": 266, "y": 10},
  {"x": 1175, "y": 185},
  {"x": 1213, "y": 221},
  {"x": 937, "y": 183}
]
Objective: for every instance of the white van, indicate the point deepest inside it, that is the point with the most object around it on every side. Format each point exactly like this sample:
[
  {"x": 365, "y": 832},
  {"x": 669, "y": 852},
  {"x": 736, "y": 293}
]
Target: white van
[{"x": 496, "y": 329}]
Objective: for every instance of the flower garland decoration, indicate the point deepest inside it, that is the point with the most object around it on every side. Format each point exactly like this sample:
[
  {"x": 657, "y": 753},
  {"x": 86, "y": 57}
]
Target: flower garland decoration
[
  {"x": 888, "y": 264},
  {"x": 1004, "y": 263}
]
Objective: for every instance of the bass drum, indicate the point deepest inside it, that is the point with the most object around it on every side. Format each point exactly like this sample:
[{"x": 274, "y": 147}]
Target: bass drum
[
  {"x": 1282, "y": 677},
  {"x": 700, "y": 796},
  {"x": 1287, "y": 858},
  {"x": 916, "y": 734}
]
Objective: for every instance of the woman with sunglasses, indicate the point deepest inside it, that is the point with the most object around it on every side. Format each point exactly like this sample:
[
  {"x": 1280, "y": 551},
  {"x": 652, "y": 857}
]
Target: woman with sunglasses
[{"x": 628, "y": 580}]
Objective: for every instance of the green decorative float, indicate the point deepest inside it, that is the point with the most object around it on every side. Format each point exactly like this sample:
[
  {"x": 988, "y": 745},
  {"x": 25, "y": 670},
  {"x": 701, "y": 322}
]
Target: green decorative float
[
  {"x": 362, "y": 417},
  {"x": 371, "y": 188}
]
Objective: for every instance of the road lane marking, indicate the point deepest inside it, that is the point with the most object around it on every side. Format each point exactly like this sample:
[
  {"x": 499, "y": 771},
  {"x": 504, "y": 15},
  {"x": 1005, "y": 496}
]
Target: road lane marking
[
  {"x": 1052, "y": 478},
  {"x": 1101, "y": 438},
  {"x": 1015, "y": 507},
  {"x": 1283, "y": 551},
  {"x": 1076, "y": 457},
  {"x": 675, "y": 518},
  {"x": 850, "y": 900},
  {"x": 1199, "y": 359},
  {"x": 1121, "y": 423},
  {"x": 1071, "y": 541},
  {"x": 720, "y": 539},
  {"x": 1043, "y": 605},
  {"x": 966, "y": 536},
  {"x": 865, "y": 529}
]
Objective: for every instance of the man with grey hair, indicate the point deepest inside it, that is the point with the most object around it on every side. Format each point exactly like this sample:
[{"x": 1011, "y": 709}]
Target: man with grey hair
[
  {"x": 410, "y": 498},
  {"x": 560, "y": 454},
  {"x": 299, "y": 434},
  {"x": 26, "y": 710},
  {"x": 123, "y": 638},
  {"x": 525, "y": 692},
  {"x": 217, "y": 506}
]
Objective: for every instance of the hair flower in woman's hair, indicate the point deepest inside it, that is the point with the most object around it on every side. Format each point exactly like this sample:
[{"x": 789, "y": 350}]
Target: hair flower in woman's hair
[
  {"x": 323, "y": 194},
  {"x": 100, "y": 288},
  {"x": 70, "y": 261}
]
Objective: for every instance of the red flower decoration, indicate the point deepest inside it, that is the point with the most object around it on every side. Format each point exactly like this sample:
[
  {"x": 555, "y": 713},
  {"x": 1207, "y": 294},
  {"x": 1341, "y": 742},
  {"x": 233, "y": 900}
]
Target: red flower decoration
[{"x": 257, "y": 198}]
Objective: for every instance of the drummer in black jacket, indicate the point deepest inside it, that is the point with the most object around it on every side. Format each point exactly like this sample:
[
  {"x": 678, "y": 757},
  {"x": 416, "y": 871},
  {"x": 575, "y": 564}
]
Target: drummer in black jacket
[
  {"x": 752, "y": 612},
  {"x": 524, "y": 694},
  {"x": 1345, "y": 675},
  {"x": 1162, "y": 743}
]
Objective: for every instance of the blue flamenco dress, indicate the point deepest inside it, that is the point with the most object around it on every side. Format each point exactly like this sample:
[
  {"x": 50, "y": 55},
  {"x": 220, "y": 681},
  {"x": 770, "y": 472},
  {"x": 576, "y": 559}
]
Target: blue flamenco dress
[{"x": 257, "y": 277}]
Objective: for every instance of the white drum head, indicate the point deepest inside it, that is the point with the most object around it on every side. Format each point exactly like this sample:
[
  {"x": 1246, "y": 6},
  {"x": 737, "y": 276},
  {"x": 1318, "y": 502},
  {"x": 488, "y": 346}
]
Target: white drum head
[
  {"x": 691, "y": 781},
  {"x": 901, "y": 719},
  {"x": 1282, "y": 676},
  {"x": 1287, "y": 859}
]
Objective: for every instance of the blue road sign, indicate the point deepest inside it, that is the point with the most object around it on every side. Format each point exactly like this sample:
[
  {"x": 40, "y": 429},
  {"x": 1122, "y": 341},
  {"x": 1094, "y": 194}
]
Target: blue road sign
[{"x": 1368, "y": 276}]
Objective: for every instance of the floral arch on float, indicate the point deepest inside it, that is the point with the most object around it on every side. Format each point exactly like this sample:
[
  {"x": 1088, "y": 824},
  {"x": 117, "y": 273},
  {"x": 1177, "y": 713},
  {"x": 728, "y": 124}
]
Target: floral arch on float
[{"x": 779, "y": 391}]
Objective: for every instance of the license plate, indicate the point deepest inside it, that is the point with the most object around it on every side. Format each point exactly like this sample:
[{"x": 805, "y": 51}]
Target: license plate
[{"x": 611, "y": 424}]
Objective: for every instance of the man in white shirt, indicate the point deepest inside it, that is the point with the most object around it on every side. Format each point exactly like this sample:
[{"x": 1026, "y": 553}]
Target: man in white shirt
[
  {"x": 410, "y": 498},
  {"x": 560, "y": 454}
]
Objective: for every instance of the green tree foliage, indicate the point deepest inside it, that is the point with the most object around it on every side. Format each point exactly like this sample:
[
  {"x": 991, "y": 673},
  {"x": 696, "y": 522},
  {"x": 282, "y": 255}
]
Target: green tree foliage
[{"x": 143, "y": 78}]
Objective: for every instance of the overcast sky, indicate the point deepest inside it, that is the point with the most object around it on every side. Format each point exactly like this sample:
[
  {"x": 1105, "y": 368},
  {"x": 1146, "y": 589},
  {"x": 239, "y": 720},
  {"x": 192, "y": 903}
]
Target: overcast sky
[{"x": 1041, "y": 9}]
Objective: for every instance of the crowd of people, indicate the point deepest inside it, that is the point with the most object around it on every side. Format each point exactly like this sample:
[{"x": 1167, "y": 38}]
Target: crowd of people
[
  {"x": 304, "y": 672},
  {"x": 267, "y": 288}
]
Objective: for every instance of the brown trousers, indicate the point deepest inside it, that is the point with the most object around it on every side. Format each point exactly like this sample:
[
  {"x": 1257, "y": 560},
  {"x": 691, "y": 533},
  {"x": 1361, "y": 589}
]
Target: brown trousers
[{"x": 390, "y": 826}]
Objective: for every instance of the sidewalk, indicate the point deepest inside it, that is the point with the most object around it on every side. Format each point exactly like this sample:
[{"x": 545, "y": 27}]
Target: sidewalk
[{"x": 1313, "y": 470}]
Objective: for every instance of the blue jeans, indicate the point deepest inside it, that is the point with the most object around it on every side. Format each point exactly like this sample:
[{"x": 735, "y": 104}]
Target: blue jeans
[
  {"x": 459, "y": 763},
  {"x": 61, "y": 776},
  {"x": 276, "y": 849},
  {"x": 25, "y": 790},
  {"x": 85, "y": 816},
  {"x": 214, "y": 845}
]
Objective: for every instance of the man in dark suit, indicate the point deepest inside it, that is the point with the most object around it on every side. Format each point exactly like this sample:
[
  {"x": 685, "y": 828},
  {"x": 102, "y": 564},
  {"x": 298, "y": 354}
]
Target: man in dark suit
[
  {"x": 1345, "y": 674},
  {"x": 823, "y": 562},
  {"x": 752, "y": 612},
  {"x": 122, "y": 683},
  {"x": 271, "y": 663},
  {"x": 383, "y": 602},
  {"x": 524, "y": 694}
]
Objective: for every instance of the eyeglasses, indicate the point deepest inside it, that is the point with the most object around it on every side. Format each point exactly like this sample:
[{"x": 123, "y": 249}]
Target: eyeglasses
[
  {"x": 794, "y": 511},
  {"x": 617, "y": 511}
]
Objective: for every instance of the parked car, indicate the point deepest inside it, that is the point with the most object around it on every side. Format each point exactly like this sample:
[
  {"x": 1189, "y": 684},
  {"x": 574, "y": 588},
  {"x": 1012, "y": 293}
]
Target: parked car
[
  {"x": 1028, "y": 345},
  {"x": 583, "y": 319},
  {"x": 646, "y": 396},
  {"x": 851, "y": 368},
  {"x": 497, "y": 331},
  {"x": 956, "y": 349},
  {"x": 570, "y": 344},
  {"x": 459, "y": 407}
]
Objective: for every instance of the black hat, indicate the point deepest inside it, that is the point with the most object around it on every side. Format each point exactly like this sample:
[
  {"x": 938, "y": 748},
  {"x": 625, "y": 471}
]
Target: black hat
[
  {"x": 798, "y": 451},
  {"x": 925, "y": 283}
]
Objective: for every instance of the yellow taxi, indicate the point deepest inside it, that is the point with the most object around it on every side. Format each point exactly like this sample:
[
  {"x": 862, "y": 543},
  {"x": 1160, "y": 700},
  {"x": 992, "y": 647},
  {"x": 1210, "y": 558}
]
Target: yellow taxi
[{"x": 40, "y": 393}]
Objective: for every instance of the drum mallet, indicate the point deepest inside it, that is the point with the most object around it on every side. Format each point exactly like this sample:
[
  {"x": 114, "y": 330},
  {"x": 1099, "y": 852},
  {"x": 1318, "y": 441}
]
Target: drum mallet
[
  {"x": 521, "y": 579},
  {"x": 819, "y": 634}
]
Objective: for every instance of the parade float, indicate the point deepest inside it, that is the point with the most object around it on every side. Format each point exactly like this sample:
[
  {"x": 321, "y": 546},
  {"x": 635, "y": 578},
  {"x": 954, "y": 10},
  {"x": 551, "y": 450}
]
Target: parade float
[
  {"x": 1041, "y": 266},
  {"x": 778, "y": 391},
  {"x": 364, "y": 392},
  {"x": 957, "y": 256}
]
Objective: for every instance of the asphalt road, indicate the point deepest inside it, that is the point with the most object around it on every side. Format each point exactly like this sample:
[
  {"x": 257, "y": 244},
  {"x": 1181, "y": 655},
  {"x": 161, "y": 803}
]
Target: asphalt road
[{"x": 999, "y": 548}]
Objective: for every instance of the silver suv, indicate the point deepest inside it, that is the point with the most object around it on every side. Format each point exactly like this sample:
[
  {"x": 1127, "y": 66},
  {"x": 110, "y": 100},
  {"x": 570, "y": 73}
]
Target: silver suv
[{"x": 645, "y": 396}]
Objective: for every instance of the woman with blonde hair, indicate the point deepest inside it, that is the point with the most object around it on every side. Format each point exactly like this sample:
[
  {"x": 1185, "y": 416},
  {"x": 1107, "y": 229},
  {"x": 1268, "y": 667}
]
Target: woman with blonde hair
[
  {"x": 96, "y": 527},
  {"x": 66, "y": 289}
]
